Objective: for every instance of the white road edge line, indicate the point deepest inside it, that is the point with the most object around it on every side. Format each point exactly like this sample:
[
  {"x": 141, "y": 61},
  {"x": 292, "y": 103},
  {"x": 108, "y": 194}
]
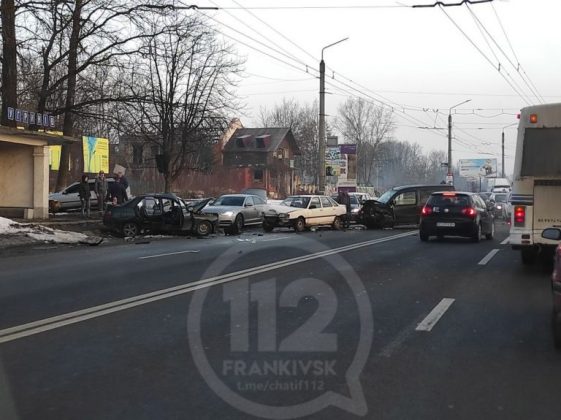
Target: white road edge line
[
  {"x": 434, "y": 316},
  {"x": 506, "y": 241},
  {"x": 169, "y": 253},
  {"x": 488, "y": 257},
  {"x": 36, "y": 327}
]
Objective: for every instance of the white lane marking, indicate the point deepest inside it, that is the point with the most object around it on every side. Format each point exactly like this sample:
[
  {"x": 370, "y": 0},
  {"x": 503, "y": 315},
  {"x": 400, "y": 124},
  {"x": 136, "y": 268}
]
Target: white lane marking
[
  {"x": 506, "y": 241},
  {"x": 275, "y": 239},
  {"x": 488, "y": 257},
  {"x": 169, "y": 253},
  {"x": 431, "y": 319},
  {"x": 36, "y": 327}
]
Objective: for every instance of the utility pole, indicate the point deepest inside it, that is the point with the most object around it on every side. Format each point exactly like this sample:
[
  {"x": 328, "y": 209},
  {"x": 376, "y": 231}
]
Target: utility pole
[
  {"x": 321, "y": 139},
  {"x": 503, "y": 156},
  {"x": 450, "y": 172}
]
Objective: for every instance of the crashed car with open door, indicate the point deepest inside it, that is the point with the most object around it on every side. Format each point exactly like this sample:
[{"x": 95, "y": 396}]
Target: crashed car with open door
[{"x": 159, "y": 213}]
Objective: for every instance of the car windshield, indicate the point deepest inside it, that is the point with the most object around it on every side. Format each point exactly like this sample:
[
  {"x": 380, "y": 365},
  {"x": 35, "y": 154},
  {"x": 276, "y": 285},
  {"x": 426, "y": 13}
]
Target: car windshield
[
  {"x": 384, "y": 198},
  {"x": 229, "y": 200},
  {"x": 500, "y": 198},
  {"x": 301, "y": 202},
  {"x": 441, "y": 200}
]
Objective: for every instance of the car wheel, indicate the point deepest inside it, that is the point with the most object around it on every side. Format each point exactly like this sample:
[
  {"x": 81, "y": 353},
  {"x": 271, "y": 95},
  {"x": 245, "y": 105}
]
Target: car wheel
[
  {"x": 528, "y": 256},
  {"x": 423, "y": 235},
  {"x": 238, "y": 225},
  {"x": 556, "y": 329},
  {"x": 203, "y": 228},
  {"x": 477, "y": 234},
  {"x": 267, "y": 227},
  {"x": 489, "y": 236},
  {"x": 130, "y": 230},
  {"x": 300, "y": 224},
  {"x": 337, "y": 223}
]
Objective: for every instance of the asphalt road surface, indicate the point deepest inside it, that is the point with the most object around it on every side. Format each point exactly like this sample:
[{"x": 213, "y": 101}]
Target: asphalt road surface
[{"x": 323, "y": 325}]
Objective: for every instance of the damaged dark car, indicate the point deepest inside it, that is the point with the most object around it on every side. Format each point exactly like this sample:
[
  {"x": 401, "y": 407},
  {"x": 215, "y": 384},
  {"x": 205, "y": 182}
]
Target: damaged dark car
[{"x": 160, "y": 213}]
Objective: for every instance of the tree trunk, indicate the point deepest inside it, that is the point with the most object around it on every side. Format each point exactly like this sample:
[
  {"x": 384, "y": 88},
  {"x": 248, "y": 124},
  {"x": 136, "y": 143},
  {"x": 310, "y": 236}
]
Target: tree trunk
[
  {"x": 9, "y": 61},
  {"x": 68, "y": 128}
]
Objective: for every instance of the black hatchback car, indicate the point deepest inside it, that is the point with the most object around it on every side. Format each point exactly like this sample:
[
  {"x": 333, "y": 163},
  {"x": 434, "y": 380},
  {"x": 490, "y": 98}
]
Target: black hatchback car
[
  {"x": 159, "y": 213},
  {"x": 456, "y": 213}
]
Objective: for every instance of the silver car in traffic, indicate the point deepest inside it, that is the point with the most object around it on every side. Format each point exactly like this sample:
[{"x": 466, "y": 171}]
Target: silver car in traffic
[{"x": 235, "y": 211}]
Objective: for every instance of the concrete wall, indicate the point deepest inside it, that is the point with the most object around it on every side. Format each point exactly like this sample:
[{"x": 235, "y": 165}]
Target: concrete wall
[{"x": 16, "y": 175}]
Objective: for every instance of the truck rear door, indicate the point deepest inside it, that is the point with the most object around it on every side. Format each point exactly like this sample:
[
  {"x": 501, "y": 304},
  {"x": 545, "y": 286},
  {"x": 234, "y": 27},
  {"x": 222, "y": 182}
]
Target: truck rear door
[{"x": 547, "y": 206}]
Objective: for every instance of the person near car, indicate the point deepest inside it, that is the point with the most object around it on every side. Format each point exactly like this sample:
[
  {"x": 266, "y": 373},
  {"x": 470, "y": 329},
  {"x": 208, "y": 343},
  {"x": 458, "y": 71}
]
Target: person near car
[
  {"x": 345, "y": 199},
  {"x": 121, "y": 179},
  {"x": 117, "y": 193},
  {"x": 84, "y": 194},
  {"x": 101, "y": 188}
]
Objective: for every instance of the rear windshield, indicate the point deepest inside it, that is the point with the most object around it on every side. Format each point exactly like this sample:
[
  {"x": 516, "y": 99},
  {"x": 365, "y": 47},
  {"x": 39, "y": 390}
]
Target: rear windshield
[
  {"x": 500, "y": 198},
  {"x": 540, "y": 155},
  {"x": 440, "y": 200}
]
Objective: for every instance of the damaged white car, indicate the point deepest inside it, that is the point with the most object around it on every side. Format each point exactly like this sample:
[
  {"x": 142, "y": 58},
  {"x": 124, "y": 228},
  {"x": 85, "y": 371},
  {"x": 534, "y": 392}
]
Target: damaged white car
[{"x": 303, "y": 211}]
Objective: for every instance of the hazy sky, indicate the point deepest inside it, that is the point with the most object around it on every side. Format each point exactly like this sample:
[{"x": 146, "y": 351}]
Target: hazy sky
[{"x": 414, "y": 60}]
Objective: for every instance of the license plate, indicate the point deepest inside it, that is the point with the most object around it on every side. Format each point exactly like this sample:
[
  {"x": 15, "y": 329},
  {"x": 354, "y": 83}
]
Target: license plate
[{"x": 442, "y": 224}]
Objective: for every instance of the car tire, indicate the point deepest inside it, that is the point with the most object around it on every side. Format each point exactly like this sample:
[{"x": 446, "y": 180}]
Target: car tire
[
  {"x": 237, "y": 226},
  {"x": 489, "y": 236},
  {"x": 337, "y": 223},
  {"x": 130, "y": 230},
  {"x": 528, "y": 256},
  {"x": 267, "y": 227},
  {"x": 556, "y": 329},
  {"x": 203, "y": 228},
  {"x": 477, "y": 234},
  {"x": 424, "y": 236},
  {"x": 300, "y": 224}
]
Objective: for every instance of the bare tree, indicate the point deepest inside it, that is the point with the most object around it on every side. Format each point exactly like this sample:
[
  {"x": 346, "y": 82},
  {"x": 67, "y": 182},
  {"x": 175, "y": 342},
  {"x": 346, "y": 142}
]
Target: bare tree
[
  {"x": 303, "y": 121},
  {"x": 366, "y": 125},
  {"x": 183, "y": 81}
]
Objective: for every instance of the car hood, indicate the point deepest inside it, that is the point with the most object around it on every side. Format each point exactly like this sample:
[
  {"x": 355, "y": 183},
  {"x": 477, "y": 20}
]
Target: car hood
[
  {"x": 220, "y": 209},
  {"x": 277, "y": 209}
]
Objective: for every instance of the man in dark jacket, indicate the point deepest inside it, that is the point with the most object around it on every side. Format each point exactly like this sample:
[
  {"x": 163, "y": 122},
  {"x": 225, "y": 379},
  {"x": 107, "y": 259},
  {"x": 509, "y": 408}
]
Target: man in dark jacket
[{"x": 117, "y": 193}]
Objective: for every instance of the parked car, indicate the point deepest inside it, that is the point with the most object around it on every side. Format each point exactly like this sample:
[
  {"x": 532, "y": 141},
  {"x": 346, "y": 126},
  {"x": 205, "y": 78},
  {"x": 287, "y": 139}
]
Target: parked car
[
  {"x": 68, "y": 198},
  {"x": 159, "y": 213},
  {"x": 500, "y": 204},
  {"x": 454, "y": 213},
  {"x": 399, "y": 205},
  {"x": 555, "y": 235},
  {"x": 303, "y": 211},
  {"x": 236, "y": 211},
  {"x": 355, "y": 205}
]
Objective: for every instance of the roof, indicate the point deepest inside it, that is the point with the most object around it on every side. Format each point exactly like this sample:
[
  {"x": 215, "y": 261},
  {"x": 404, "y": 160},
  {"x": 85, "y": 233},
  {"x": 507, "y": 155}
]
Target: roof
[
  {"x": 444, "y": 186},
  {"x": 50, "y": 139},
  {"x": 271, "y": 140}
]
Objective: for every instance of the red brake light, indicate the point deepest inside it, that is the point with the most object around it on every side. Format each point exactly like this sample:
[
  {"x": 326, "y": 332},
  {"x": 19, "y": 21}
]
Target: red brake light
[
  {"x": 519, "y": 215},
  {"x": 427, "y": 210},
  {"x": 533, "y": 118},
  {"x": 449, "y": 194},
  {"x": 469, "y": 211}
]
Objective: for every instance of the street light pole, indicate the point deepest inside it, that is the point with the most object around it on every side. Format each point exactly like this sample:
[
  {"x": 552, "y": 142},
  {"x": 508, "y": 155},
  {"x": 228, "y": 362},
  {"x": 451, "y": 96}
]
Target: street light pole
[
  {"x": 322, "y": 118},
  {"x": 450, "y": 172}
]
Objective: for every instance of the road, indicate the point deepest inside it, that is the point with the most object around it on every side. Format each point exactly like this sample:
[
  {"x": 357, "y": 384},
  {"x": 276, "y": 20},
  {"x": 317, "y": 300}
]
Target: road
[{"x": 323, "y": 325}]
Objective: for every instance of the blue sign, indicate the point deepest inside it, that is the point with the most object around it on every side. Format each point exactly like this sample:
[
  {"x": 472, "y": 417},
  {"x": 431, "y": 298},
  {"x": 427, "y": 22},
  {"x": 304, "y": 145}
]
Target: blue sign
[
  {"x": 25, "y": 117},
  {"x": 18, "y": 115},
  {"x": 11, "y": 114},
  {"x": 32, "y": 118}
]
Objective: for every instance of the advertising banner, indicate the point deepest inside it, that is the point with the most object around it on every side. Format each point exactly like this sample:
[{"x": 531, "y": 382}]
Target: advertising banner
[
  {"x": 54, "y": 157},
  {"x": 474, "y": 168},
  {"x": 96, "y": 154}
]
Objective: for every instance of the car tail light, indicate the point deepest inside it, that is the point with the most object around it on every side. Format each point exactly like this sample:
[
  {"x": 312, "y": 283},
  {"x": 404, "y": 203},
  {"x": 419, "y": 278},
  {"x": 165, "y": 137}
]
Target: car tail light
[
  {"x": 469, "y": 211},
  {"x": 519, "y": 215},
  {"x": 427, "y": 210}
]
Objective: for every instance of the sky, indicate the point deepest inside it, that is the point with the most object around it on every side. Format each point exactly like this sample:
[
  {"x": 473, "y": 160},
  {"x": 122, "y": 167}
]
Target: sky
[{"x": 419, "y": 62}]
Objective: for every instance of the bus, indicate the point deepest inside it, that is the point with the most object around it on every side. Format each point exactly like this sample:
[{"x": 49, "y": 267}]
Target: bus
[{"x": 536, "y": 188}]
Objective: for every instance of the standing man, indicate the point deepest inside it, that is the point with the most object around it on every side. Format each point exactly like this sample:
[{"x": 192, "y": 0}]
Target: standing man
[
  {"x": 101, "y": 190},
  {"x": 84, "y": 194}
]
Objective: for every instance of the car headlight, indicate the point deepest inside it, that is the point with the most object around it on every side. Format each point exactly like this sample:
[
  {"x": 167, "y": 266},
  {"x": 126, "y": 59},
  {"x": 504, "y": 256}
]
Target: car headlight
[
  {"x": 499, "y": 207},
  {"x": 228, "y": 213},
  {"x": 283, "y": 215},
  {"x": 354, "y": 210}
]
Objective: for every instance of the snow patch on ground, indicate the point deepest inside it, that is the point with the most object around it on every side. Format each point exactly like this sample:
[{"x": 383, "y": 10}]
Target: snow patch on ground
[{"x": 9, "y": 228}]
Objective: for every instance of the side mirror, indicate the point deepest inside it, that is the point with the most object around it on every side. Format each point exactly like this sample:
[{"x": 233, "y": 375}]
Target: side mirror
[
  {"x": 313, "y": 206},
  {"x": 64, "y": 192},
  {"x": 248, "y": 205},
  {"x": 552, "y": 233}
]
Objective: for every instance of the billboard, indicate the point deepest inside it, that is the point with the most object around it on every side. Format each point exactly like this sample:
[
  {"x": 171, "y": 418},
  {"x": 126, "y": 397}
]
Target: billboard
[
  {"x": 96, "y": 154},
  {"x": 474, "y": 168},
  {"x": 340, "y": 162}
]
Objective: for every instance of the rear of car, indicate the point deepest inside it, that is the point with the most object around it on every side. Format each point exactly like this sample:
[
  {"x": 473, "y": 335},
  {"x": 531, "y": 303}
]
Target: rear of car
[{"x": 455, "y": 214}]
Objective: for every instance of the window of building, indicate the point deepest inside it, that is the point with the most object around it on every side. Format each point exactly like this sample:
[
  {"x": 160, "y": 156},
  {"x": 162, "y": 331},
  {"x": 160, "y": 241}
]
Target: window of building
[
  {"x": 260, "y": 142},
  {"x": 258, "y": 175},
  {"x": 137, "y": 154}
]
